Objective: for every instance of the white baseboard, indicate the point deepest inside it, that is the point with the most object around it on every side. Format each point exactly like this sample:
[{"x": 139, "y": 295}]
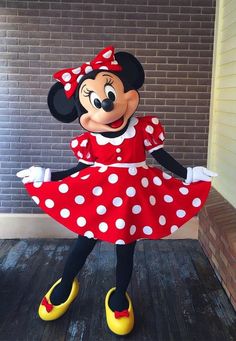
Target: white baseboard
[
  {"x": 42, "y": 226},
  {"x": 31, "y": 226}
]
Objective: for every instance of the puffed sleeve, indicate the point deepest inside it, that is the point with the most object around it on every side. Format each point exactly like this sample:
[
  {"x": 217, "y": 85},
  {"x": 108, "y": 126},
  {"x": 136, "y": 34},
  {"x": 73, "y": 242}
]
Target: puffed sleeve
[
  {"x": 81, "y": 146},
  {"x": 153, "y": 134}
]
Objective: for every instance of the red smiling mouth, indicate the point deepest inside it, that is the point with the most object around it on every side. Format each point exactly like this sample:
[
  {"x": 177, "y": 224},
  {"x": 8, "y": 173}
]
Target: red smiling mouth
[{"x": 118, "y": 123}]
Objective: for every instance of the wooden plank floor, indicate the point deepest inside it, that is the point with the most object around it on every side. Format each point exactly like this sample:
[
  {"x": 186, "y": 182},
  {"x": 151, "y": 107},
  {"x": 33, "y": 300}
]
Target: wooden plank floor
[{"x": 175, "y": 292}]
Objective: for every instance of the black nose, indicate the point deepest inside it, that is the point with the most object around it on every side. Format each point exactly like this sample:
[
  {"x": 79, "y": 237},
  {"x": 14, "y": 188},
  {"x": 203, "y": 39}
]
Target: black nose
[{"x": 107, "y": 104}]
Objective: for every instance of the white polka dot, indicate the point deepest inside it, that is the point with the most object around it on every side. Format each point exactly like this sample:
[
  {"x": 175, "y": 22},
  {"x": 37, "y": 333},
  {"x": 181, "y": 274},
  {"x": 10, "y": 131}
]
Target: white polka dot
[
  {"x": 49, "y": 203},
  {"x": 162, "y": 220},
  {"x": 103, "y": 227},
  {"x": 166, "y": 176},
  {"x": 79, "y": 154},
  {"x": 120, "y": 223},
  {"x": 89, "y": 234},
  {"x": 183, "y": 190},
  {"x": 107, "y": 54},
  {"x": 132, "y": 171},
  {"x": 173, "y": 228},
  {"x": 97, "y": 191},
  {"x": 113, "y": 178},
  {"x": 88, "y": 69},
  {"x": 79, "y": 78},
  {"x": 152, "y": 200},
  {"x": 180, "y": 213},
  {"x": 79, "y": 199},
  {"x": 132, "y": 230},
  {"x": 81, "y": 221},
  {"x": 37, "y": 184},
  {"x": 76, "y": 71},
  {"x": 149, "y": 129},
  {"x": 161, "y": 137},
  {"x": 85, "y": 177},
  {"x": 84, "y": 143},
  {"x": 185, "y": 184},
  {"x": 101, "y": 209},
  {"x": 118, "y": 150},
  {"x": 157, "y": 181},
  {"x": 120, "y": 242},
  {"x": 36, "y": 199},
  {"x": 102, "y": 169},
  {"x": 63, "y": 188},
  {"x": 196, "y": 202},
  {"x": 136, "y": 209},
  {"x": 65, "y": 213},
  {"x": 66, "y": 77},
  {"x": 119, "y": 158},
  {"x": 145, "y": 182},
  {"x": 168, "y": 198},
  {"x": 131, "y": 191},
  {"x": 67, "y": 87},
  {"x": 147, "y": 230},
  {"x": 103, "y": 67},
  {"x": 147, "y": 143},
  {"x": 155, "y": 120},
  {"x": 114, "y": 62},
  {"x": 74, "y": 175},
  {"x": 74, "y": 143},
  {"x": 117, "y": 201}
]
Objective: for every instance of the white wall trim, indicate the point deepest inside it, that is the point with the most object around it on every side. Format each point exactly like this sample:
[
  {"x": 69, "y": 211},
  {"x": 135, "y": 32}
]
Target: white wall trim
[
  {"x": 31, "y": 226},
  {"x": 42, "y": 226}
]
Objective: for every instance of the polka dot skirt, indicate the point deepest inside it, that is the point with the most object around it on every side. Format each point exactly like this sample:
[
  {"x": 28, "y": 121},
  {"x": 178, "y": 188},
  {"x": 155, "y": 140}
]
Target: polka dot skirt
[{"x": 120, "y": 205}]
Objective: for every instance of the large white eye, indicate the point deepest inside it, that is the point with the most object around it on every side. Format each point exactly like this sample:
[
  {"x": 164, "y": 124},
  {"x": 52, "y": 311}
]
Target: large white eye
[
  {"x": 95, "y": 100},
  {"x": 110, "y": 92}
]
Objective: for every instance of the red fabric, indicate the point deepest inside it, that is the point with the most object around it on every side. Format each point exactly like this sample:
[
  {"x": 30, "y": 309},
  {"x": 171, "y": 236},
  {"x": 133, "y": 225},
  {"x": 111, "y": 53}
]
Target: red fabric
[
  {"x": 120, "y": 205},
  {"x": 105, "y": 60},
  {"x": 47, "y": 305},
  {"x": 135, "y": 142},
  {"x": 123, "y": 313}
]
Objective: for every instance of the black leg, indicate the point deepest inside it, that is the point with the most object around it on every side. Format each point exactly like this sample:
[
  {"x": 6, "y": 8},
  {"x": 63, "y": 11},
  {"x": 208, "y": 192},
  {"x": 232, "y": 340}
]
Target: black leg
[
  {"x": 74, "y": 264},
  {"x": 124, "y": 267}
]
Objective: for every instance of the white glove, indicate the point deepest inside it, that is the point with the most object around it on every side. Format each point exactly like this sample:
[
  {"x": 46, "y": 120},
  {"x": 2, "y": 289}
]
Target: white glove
[
  {"x": 34, "y": 174},
  {"x": 196, "y": 174}
]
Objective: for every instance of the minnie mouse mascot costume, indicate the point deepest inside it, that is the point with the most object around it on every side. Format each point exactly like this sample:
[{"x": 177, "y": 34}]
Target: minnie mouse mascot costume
[{"x": 112, "y": 194}]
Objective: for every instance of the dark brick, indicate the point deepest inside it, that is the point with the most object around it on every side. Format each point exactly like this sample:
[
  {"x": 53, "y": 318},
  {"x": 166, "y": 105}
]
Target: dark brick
[
  {"x": 190, "y": 9},
  {"x": 190, "y": 24},
  {"x": 208, "y": 25},
  {"x": 168, "y": 38},
  {"x": 189, "y": 39}
]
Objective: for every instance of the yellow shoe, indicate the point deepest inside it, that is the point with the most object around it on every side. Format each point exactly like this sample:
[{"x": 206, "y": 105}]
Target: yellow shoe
[
  {"x": 120, "y": 323},
  {"x": 48, "y": 312}
]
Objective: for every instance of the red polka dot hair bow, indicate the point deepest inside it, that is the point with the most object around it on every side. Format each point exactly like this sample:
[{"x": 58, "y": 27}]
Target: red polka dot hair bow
[{"x": 70, "y": 78}]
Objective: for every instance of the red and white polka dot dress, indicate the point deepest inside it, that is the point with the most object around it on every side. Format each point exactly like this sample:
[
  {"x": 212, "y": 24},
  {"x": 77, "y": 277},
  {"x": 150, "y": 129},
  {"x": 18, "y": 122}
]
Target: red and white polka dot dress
[{"x": 119, "y": 198}]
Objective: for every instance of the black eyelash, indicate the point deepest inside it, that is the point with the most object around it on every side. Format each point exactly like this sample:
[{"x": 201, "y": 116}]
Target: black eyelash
[
  {"x": 87, "y": 92},
  {"x": 109, "y": 81}
]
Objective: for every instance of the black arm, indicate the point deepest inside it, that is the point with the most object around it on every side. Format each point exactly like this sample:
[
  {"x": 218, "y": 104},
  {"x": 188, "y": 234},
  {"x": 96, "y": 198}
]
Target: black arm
[
  {"x": 55, "y": 176},
  {"x": 167, "y": 161}
]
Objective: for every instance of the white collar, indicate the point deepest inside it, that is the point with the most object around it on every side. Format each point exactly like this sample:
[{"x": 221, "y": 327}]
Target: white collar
[{"x": 116, "y": 141}]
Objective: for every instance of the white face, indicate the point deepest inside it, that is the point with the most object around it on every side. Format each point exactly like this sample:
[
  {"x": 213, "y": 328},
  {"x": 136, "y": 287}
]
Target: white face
[{"x": 93, "y": 92}]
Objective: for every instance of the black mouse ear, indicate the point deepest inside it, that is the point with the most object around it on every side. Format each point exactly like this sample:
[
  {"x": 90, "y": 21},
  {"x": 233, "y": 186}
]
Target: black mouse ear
[
  {"x": 62, "y": 108},
  {"x": 132, "y": 70}
]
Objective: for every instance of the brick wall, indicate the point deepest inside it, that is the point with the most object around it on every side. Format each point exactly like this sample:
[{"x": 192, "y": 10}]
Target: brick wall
[
  {"x": 217, "y": 236},
  {"x": 172, "y": 38}
]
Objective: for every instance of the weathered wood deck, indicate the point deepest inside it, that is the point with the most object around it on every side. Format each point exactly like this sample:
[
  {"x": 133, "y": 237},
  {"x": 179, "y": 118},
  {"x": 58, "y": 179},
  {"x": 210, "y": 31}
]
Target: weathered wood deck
[{"x": 176, "y": 294}]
